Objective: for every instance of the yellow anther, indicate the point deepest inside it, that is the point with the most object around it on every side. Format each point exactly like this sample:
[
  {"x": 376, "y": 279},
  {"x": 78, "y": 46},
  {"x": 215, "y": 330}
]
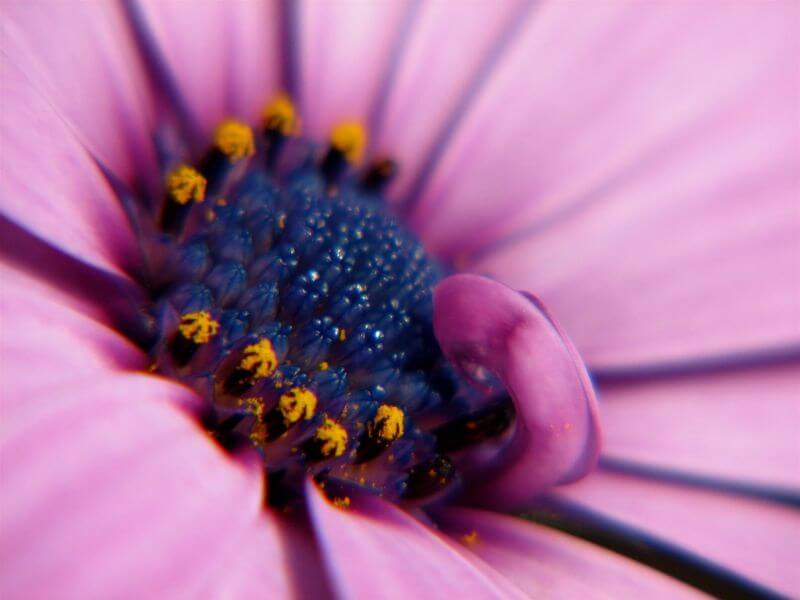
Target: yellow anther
[
  {"x": 388, "y": 424},
  {"x": 333, "y": 438},
  {"x": 471, "y": 538},
  {"x": 254, "y": 406},
  {"x": 198, "y": 327},
  {"x": 349, "y": 138},
  {"x": 281, "y": 115},
  {"x": 185, "y": 183},
  {"x": 234, "y": 139},
  {"x": 343, "y": 502},
  {"x": 298, "y": 403},
  {"x": 324, "y": 366},
  {"x": 342, "y": 334},
  {"x": 260, "y": 359}
]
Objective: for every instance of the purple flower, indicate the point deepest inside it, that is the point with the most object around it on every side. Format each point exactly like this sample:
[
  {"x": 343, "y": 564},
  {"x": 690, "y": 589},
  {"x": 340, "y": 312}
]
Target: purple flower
[{"x": 635, "y": 165}]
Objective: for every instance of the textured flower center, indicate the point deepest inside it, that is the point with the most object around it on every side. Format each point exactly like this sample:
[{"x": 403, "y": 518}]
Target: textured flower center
[{"x": 287, "y": 296}]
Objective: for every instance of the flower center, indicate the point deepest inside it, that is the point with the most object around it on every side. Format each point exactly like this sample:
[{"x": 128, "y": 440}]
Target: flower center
[{"x": 286, "y": 295}]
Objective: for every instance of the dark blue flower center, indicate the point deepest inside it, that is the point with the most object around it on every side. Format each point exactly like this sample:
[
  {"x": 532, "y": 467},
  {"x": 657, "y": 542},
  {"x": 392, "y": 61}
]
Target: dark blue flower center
[{"x": 287, "y": 295}]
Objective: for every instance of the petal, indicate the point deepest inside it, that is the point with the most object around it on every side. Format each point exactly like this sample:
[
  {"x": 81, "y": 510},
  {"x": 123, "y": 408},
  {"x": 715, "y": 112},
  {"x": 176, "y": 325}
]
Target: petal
[
  {"x": 252, "y": 571},
  {"x": 478, "y": 321},
  {"x": 627, "y": 175},
  {"x": 549, "y": 564},
  {"x": 222, "y": 56},
  {"x": 447, "y": 57},
  {"x": 50, "y": 342},
  {"x": 739, "y": 425},
  {"x": 344, "y": 51},
  {"x": 81, "y": 58},
  {"x": 97, "y": 476},
  {"x": 50, "y": 185},
  {"x": 754, "y": 538},
  {"x": 374, "y": 549}
]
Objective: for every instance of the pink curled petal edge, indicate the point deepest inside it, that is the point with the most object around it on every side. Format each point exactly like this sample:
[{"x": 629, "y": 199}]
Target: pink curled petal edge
[{"x": 480, "y": 322}]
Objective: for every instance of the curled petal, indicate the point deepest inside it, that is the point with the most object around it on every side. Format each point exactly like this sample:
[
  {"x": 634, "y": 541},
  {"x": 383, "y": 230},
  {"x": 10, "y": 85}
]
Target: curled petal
[{"x": 479, "y": 322}]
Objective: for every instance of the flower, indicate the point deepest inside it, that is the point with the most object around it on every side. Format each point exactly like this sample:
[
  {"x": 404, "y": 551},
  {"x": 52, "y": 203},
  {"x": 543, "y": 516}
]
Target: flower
[{"x": 606, "y": 157}]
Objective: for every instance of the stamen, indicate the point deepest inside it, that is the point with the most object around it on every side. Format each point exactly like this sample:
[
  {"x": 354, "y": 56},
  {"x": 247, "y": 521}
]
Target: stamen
[
  {"x": 379, "y": 175},
  {"x": 280, "y": 116},
  {"x": 259, "y": 359},
  {"x": 388, "y": 424},
  {"x": 185, "y": 183},
  {"x": 235, "y": 140},
  {"x": 198, "y": 327},
  {"x": 347, "y": 143},
  {"x": 349, "y": 138},
  {"x": 298, "y": 403},
  {"x": 329, "y": 441}
]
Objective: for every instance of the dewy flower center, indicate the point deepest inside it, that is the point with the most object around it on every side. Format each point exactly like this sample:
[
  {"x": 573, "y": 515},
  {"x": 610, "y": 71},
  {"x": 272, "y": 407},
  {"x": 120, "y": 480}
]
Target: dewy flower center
[{"x": 287, "y": 296}]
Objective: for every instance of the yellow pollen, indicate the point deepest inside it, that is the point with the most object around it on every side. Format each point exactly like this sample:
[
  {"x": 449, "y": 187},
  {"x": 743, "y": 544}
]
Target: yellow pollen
[
  {"x": 255, "y": 406},
  {"x": 389, "y": 423},
  {"x": 324, "y": 366},
  {"x": 185, "y": 183},
  {"x": 235, "y": 140},
  {"x": 342, "y": 502},
  {"x": 198, "y": 327},
  {"x": 471, "y": 538},
  {"x": 260, "y": 359},
  {"x": 281, "y": 115},
  {"x": 342, "y": 335},
  {"x": 333, "y": 437},
  {"x": 349, "y": 138},
  {"x": 298, "y": 403}
]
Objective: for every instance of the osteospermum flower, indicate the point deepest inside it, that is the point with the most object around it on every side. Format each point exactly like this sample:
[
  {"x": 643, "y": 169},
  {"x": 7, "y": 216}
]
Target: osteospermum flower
[{"x": 261, "y": 334}]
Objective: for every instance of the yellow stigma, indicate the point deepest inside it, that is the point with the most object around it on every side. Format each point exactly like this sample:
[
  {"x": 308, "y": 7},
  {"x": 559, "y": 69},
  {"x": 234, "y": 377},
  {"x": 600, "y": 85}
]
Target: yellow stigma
[
  {"x": 298, "y": 403},
  {"x": 198, "y": 327},
  {"x": 333, "y": 438},
  {"x": 260, "y": 359},
  {"x": 280, "y": 115},
  {"x": 185, "y": 183},
  {"x": 389, "y": 423},
  {"x": 349, "y": 138},
  {"x": 235, "y": 140}
]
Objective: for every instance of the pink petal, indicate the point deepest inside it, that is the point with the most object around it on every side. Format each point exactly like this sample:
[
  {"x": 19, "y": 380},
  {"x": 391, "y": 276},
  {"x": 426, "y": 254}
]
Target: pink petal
[
  {"x": 755, "y": 538},
  {"x": 265, "y": 561},
  {"x": 111, "y": 489},
  {"x": 374, "y": 549},
  {"x": 479, "y": 322},
  {"x": 51, "y": 186},
  {"x": 740, "y": 425},
  {"x": 49, "y": 342},
  {"x": 225, "y": 57},
  {"x": 81, "y": 58},
  {"x": 442, "y": 58},
  {"x": 549, "y": 564},
  {"x": 344, "y": 50},
  {"x": 619, "y": 153}
]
